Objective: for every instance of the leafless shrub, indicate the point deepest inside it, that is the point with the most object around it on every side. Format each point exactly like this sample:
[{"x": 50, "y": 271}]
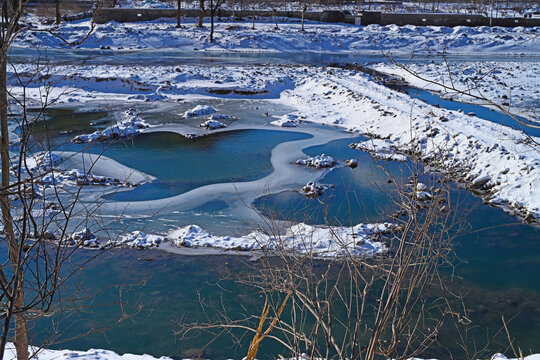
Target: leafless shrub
[{"x": 350, "y": 306}]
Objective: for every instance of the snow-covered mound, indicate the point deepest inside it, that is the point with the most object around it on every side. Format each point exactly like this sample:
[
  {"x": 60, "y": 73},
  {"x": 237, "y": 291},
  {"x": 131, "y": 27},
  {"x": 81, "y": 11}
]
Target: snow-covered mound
[
  {"x": 422, "y": 193},
  {"x": 212, "y": 125},
  {"x": 352, "y": 163},
  {"x": 313, "y": 190},
  {"x": 317, "y": 162},
  {"x": 288, "y": 120},
  {"x": 49, "y": 169},
  {"x": 301, "y": 238},
  {"x": 39, "y": 163},
  {"x": 139, "y": 240},
  {"x": 79, "y": 177},
  {"x": 199, "y": 110},
  {"x": 131, "y": 126},
  {"x": 45, "y": 167},
  {"x": 83, "y": 238}
]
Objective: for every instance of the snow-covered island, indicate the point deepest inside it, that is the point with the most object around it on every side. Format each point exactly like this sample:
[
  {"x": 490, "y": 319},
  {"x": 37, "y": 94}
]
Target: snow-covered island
[
  {"x": 317, "y": 162},
  {"x": 130, "y": 126}
]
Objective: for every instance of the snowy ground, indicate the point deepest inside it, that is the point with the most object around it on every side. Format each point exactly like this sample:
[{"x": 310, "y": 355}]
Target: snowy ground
[
  {"x": 98, "y": 354},
  {"x": 318, "y": 37},
  {"x": 79, "y": 84},
  {"x": 92, "y": 354}
]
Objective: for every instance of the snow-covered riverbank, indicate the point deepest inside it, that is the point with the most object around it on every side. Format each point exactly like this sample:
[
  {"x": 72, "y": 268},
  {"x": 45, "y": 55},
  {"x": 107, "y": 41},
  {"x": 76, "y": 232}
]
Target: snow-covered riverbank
[
  {"x": 318, "y": 37},
  {"x": 99, "y": 354}
]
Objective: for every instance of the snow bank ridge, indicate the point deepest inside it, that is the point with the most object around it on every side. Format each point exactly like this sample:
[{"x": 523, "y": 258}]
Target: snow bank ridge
[{"x": 360, "y": 240}]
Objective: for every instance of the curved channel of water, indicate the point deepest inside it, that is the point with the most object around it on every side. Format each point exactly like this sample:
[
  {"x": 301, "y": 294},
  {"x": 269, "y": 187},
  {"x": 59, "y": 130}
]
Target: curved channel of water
[{"x": 476, "y": 110}]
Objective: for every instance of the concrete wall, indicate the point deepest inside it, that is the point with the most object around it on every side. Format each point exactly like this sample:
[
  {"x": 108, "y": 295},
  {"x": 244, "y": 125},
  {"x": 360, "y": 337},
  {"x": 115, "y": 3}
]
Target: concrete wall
[
  {"x": 512, "y": 22},
  {"x": 80, "y": 3},
  {"x": 431, "y": 19},
  {"x": 442, "y": 20},
  {"x": 131, "y": 15}
]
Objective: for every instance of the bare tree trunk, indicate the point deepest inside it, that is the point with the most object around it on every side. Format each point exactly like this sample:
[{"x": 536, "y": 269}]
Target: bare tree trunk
[
  {"x": 491, "y": 13},
  {"x": 58, "y": 17},
  {"x": 21, "y": 332},
  {"x": 274, "y": 11},
  {"x": 16, "y": 296},
  {"x": 304, "y": 8},
  {"x": 253, "y": 19},
  {"x": 179, "y": 13},
  {"x": 201, "y": 14},
  {"x": 212, "y": 11},
  {"x": 15, "y": 251}
]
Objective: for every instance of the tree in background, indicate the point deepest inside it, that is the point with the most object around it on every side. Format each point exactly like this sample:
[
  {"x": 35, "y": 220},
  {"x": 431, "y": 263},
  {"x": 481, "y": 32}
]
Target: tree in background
[
  {"x": 214, "y": 7},
  {"x": 304, "y": 9},
  {"x": 179, "y": 13},
  {"x": 57, "y": 12},
  {"x": 202, "y": 10},
  {"x": 11, "y": 280}
]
